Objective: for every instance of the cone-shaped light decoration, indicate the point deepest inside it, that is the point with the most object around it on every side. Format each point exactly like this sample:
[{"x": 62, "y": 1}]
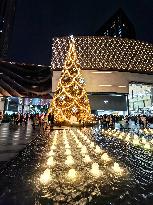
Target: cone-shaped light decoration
[{"x": 70, "y": 102}]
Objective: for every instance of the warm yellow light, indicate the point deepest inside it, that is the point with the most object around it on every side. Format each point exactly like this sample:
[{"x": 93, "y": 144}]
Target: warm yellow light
[
  {"x": 67, "y": 146},
  {"x": 84, "y": 150},
  {"x": 97, "y": 150},
  {"x": 105, "y": 157},
  {"x": 88, "y": 141},
  {"x": 51, "y": 153},
  {"x": 55, "y": 139},
  {"x": 68, "y": 152},
  {"x": 53, "y": 147},
  {"x": 70, "y": 104},
  {"x": 54, "y": 142},
  {"x": 147, "y": 146},
  {"x": 136, "y": 56},
  {"x": 69, "y": 160},
  {"x": 65, "y": 141},
  {"x": 120, "y": 136},
  {"x": 146, "y": 132},
  {"x": 95, "y": 170},
  {"x": 105, "y": 85},
  {"x": 77, "y": 141},
  {"x": 92, "y": 144},
  {"x": 50, "y": 161},
  {"x": 102, "y": 72},
  {"x": 45, "y": 178},
  {"x": 127, "y": 138},
  {"x": 80, "y": 145},
  {"x": 84, "y": 137},
  {"x": 135, "y": 136},
  {"x": 136, "y": 141},
  {"x": 72, "y": 174},
  {"x": 122, "y": 86},
  {"x": 117, "y": 168},
  {"x": 76, "y": 169},
  {"x": 144, "y": 141},
  {"x": 87, "y": 159}
]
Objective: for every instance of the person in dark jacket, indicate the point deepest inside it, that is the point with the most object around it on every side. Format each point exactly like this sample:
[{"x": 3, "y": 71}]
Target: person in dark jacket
[{"x": 49, "y": 118}]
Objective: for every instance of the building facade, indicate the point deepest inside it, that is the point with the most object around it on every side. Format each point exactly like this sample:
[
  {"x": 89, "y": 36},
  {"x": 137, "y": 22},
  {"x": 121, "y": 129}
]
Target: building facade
[
  {"x": 118, "y": 25},
  {"x": 109, "y": 66}
]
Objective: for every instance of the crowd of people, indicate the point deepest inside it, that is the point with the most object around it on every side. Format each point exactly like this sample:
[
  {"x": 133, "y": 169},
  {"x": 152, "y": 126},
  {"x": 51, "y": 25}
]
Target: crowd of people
[
  {"x": 41, "y": 120},
  {"x": 107, "y": 121}
]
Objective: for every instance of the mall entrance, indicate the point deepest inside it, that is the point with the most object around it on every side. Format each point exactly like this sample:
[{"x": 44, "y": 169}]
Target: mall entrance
[{"x": 116, "y": 104}]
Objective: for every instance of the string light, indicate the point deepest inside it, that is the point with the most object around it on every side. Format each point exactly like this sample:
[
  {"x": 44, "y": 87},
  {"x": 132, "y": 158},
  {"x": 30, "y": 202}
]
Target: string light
[
  {"x": 72, "y": 174},
  {"x": 136, "y": 140},
  {"x": 105, "y": 53},
  {"x": 85, "y": 171},
  {"x": 70, "y": 103},
  {"x": 45, "y": 177}
]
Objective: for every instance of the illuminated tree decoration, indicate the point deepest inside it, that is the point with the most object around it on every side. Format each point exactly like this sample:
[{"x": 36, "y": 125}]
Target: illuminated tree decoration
[{"x": 70, "y": 102}]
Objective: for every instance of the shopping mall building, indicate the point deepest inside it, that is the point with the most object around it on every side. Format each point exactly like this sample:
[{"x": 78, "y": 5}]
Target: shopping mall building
[{"x": 118, "y": 71}]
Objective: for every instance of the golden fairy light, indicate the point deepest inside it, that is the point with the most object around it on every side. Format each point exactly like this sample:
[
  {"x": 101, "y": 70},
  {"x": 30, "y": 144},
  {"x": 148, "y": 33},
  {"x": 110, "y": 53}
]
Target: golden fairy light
[
  {"x": 70, "y": 103},
  {"x": 105, "y": 53},
  {"x": 105, "y": 157},
  {"x": 79, "y": 167},
  {"x": 45, "y": 177},
  {"x": 50, "y": 161},
  {"x": 51, "y": 153},
  {"x": 69, "y": 160},
  {"x": 147, "y": 146},
  {"x": 97, "y": 150},
  {"x": 53, "y": 147},
  {"x": 72, "y": 174},
  {"x": 95, "y": 171},
  {"x": 87, "y": 159},
  {"x": 136, "y": 140},
  {"x": 68, "y": 152},
  {"x": 117, "y": 169}
]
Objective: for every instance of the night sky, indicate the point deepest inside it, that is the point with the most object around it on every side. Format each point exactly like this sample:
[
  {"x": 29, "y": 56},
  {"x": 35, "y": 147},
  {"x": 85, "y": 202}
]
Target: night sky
[{"x": 38, "y": 21}]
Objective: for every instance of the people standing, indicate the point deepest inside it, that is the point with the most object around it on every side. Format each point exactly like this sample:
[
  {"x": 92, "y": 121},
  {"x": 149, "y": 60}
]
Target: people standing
[
  {"x": 45, "y": 122},
  {"x": 49, "y": 118},
  {"x": 111, "y": 121},
  {"x": 107, "y": 121}
]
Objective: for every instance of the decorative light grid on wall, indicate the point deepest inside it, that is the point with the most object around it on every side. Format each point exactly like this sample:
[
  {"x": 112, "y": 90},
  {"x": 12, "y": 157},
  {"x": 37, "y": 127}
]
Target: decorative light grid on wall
[{"x": 105, "y": 53}]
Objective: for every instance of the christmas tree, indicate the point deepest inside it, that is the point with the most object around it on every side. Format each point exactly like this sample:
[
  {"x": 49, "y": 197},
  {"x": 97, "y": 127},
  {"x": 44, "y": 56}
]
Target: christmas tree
[{"x": 70, "y": 102}]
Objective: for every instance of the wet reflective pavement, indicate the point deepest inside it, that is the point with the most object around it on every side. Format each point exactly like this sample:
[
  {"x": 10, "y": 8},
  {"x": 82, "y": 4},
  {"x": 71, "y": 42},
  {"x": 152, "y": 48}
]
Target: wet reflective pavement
[
  {"x": 139, "y": 161},
  {"x": 14, "y": 138},
  {"x": 17, "y": 185}
]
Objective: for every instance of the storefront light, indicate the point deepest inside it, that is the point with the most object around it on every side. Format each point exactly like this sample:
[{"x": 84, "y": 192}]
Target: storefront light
[
  {"x": 122, "y": 86},
  {"x": 102, "y": 72},
  {"x": 105, "y": 85}
]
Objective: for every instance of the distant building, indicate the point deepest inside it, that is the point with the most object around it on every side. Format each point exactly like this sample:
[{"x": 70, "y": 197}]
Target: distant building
[
  {"x": 118, "y": 26},
  {"x": 7, "y": 13}
]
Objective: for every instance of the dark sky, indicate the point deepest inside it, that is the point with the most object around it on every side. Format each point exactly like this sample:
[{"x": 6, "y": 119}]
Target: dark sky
[{"x": 37, "y": 21}]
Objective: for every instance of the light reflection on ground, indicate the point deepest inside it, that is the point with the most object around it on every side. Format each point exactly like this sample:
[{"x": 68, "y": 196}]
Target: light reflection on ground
[{"x": 46, "y": 171}]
